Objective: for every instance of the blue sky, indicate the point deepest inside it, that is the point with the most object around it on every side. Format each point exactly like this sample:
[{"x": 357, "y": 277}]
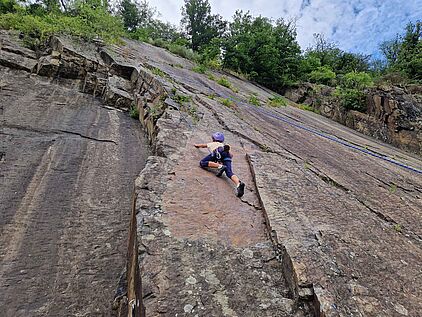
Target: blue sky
[{"x": 354, "y": 25}]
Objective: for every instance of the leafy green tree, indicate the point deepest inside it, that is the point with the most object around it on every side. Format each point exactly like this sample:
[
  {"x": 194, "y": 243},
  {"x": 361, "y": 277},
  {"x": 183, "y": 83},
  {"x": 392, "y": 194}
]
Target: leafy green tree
[
  {"x": 200, "y": 25},
  {"x": 390, "y": 50},
  {"x": 264, "y": 50},
  {"x": 130, "y": 14},
  {"x": 404, "y": 53}
]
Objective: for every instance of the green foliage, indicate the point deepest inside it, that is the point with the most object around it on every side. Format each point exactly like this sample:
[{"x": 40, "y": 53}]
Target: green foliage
[
  {"x": 193, "y": 112},
  {"x": 393, "y": 188},
  {"x": 8, "y": 6},
  {"x": 277, "y": 102},
  {"x": 182, "y": 98},
  {"x": 201, "y": 69},
  {"x": 223, "y": 81},
  {"x": 158, "y": 72},
  {"x": 351, "y": 99},
  {"x": 322, "y": 75},
  {"x": 130, "y": 14},
  {"x": 265, "y": 50},
  {"x": 177, "y": 49},
  {"x": 351, "y": 90},
  {"x": 201, "y": 26},
  {"x": 134, "y": 112},
  {"x": 398, "y": 227},
  {"x": 87, "y": 22},
  {"x": 357, "y": 80},
  {"x": 226, "y": 102},
  {"x": 253, "y": 99},
  {"x": 404, "y": 53},
  {"x": 328, "y": 55},
  {"x": 308, "y": 108}
]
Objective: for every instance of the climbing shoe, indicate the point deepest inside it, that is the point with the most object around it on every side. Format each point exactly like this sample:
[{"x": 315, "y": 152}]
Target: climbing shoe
[
  {"x": 220, "y": 171},
  {"x": 240, "y": 189}
]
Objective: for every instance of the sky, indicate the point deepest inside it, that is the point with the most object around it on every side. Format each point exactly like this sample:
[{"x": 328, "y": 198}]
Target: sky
[{"x": 357, "y": 26}]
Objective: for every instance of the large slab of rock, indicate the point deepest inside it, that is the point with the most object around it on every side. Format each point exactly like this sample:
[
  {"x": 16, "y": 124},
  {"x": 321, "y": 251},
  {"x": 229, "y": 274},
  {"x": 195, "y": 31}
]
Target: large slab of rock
[{"x": 356, "y": 262}]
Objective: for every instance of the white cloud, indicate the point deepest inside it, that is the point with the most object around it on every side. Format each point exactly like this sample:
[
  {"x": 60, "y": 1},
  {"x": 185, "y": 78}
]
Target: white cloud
[{"x": 355, "y": 25}]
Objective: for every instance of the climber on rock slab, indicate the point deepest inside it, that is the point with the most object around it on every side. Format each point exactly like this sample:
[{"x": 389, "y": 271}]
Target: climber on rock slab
[{"x": 221, "y": 159}]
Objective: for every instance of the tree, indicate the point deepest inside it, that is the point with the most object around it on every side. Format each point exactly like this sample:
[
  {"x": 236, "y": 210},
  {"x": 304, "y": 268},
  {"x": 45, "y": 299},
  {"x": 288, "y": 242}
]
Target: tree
[
  {"x": 200, "y": 25},
  {"x": 390, "y": 50},
  {"x": 404, "y": 53},
  {"x": 130, "y": 14},
  {"x": 266, "y": 51},
  {"x": 138, "y": 16}
]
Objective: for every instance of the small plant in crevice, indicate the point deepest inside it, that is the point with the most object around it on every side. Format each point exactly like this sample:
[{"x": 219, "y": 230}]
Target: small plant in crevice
[
  {"x": 393, "y": 188},
  {"x": 211, "y": 96},
  {"x": 223, "y": 81},
  {"x": 253, "y": 99},
  {"x": 265, "y": 148},
  {"x": 211, "y": 76},
  {"x": 398, "y": 227},
  {"x": 226, "y": 102},
  {"x": 193, "y": 112},
  {"x": 181, "y": 98},
  {"x": 156, "y": 110},
  {"x": 134, "y": 112},
  {"x": 277, "y": 102},
  {"x": 158, "y": 72},
  {"x": 306, "y": 165}
]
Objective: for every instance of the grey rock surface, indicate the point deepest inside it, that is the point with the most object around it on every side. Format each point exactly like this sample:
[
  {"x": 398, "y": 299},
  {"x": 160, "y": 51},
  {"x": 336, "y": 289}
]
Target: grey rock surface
[
  {"x": 330, "y": 223},
  {"x": 67, "y": 171}
]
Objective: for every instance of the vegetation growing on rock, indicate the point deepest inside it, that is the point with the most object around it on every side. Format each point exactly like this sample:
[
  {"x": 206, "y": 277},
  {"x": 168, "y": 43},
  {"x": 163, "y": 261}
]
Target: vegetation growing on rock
[{"x": 259, "y": 48}]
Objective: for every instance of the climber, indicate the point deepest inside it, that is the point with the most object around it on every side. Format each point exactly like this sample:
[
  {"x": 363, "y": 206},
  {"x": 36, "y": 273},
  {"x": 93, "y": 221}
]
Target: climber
[{"x": 221, "y": 158}]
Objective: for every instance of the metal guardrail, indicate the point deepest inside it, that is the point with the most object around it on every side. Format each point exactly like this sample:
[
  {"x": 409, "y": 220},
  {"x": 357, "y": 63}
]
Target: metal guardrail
[{"x": 134, "y": 285}]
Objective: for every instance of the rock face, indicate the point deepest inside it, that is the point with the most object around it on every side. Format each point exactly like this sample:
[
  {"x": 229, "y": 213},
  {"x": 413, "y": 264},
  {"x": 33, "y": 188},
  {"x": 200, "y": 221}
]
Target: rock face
[
  {"x": 393, "y": 115},
  {"x": 330, "y": 224},
  {"x": 67, "y": 168}
]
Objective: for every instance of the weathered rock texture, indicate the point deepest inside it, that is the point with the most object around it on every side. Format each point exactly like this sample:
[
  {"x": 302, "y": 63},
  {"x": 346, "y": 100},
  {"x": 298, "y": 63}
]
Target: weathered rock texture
[
  {"x": 393, "y": 115},
  {"x": 67, "y": 169},
  {"x": 327, "y": 227}
]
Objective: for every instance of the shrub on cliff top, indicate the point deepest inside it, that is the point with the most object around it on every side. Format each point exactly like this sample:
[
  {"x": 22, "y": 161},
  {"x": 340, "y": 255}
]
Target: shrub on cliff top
[
  {"x": 86, "y": 22},
  {"x": 322, "y": 75}
]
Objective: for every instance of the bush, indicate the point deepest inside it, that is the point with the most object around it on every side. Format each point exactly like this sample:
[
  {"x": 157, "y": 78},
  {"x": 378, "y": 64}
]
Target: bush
[
  {"x": 201, "y": 69},
  {"x": 356, "y": 80},
  {"x": 351, "y": 99},
  {"x": 183, "y": 52},
  {"x": 322, "y": 75},
  {"x": 277, "y": 102},
  {"x": 8, "y": 6},
  {"x": 89, "y": 23}
]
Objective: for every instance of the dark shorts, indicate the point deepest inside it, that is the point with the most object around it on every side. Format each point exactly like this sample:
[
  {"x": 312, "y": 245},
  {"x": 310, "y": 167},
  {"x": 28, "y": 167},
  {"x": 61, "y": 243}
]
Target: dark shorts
[{"x": 226, "y": 160}]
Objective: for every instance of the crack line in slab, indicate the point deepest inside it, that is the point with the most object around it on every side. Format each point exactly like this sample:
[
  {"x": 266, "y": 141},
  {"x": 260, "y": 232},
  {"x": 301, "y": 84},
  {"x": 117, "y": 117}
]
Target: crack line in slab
[
  {"x": 390, "y": 220},
  {"x": 88, "y": 137},
  {"x": 390, "y": 184},
  {"x": 54, "y": 132}
]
